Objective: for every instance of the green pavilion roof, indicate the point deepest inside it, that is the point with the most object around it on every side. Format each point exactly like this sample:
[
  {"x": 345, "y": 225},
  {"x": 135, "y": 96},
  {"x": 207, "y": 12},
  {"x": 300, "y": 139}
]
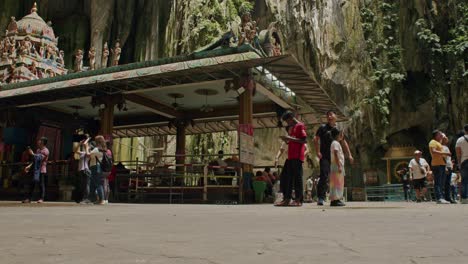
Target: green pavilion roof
[{"x": 133, "y": 66}]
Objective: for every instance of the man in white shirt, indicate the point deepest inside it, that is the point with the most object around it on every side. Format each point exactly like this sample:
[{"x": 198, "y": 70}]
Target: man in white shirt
[
  {"x": 448, "y": 171},
  {"x": 419, "y": 169},
  {"x": 462, "y": 156}
]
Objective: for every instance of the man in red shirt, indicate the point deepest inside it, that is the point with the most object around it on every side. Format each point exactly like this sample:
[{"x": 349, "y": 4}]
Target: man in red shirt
[{"x": 296, "y": 147}]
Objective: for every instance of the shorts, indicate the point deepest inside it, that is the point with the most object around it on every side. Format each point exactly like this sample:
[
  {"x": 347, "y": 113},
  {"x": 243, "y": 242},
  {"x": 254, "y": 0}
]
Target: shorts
[{"x": 418, "y": 184}]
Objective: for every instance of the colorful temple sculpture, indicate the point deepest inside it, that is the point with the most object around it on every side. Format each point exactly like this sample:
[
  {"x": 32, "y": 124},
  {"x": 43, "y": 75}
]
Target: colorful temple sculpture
[{"x": 29, "y": 50}]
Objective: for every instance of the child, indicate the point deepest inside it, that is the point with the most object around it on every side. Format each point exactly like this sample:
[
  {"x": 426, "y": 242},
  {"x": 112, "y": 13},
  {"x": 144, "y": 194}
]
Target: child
[
  {"x": 337, "y": 171},
  {"x": 309, "y": 186}
]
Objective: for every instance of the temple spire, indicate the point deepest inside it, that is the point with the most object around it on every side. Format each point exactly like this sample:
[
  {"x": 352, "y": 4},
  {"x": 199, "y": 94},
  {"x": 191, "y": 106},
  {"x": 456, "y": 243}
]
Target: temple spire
[{"x": 34, "y": 8}]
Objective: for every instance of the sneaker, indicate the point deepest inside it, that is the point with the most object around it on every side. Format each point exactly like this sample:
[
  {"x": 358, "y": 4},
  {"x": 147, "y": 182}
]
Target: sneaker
[
  {"x": 453, "y": 202},
  {"x": 320, "y": 202},
  {"x": 26, "y": 201},
  {"x": 340, "y": 203},
  {"x": 40, "y": 201},
  {"x": 106, "y": 201},
  {"x": 464, "y": 201},
  {"x": 86, "y": 202},
  {"x": 442, "y": 201},
  {"x": 337, "y": 203}
]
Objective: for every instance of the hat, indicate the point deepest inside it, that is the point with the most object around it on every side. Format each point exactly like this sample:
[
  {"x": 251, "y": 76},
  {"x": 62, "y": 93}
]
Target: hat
[{"x": 417, "y": 152}]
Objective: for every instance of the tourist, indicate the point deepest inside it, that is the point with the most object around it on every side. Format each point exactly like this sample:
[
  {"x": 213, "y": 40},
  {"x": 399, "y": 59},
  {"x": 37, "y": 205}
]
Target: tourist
[
  {"x": 438, "y": 165},
  {"x": 454, "y": 185},
  {"x": 270, "y": 175},
  {"x": 462, "y": 157},
  {"x": 322, "y": 143},
  {"x": 97, "y": 178},
  {"x": 405, "y": 180},
  {"x": 419, "y": 168},
  {"x": 337, "y": 168},
  {"x": 83, "y": 171},
  {"x": 309, "y": 187},
  {"x": 106, "y": 174},
  {"x": 293, "y": 169},
  {"x": 39, "y": 170},
  {"x": 448, "y": 171}
]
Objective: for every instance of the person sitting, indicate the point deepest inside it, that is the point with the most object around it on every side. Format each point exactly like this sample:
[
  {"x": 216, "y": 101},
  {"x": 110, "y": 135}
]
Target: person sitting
[{"x": 222, "y": 170}]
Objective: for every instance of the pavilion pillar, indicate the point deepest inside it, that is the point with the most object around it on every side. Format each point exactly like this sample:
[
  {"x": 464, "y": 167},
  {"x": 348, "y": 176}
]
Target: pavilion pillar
[
  {"x": 107, "y": 120},
  {"x": 180, "y": 147},
  {"x": 246, "y": 108},
  {"x": 106, "y": 114}
]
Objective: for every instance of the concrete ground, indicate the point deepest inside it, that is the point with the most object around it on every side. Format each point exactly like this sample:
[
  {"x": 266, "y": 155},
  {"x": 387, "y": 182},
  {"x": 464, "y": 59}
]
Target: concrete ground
[{"x": 126, "y": 233}]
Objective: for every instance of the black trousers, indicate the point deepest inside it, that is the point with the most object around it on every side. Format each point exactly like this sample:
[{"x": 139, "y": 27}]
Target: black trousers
[
  {"x": 322, "y": 185},
  {"x": 42, "y": 186},
  {"x": 447, "y": 188},
  {"x": 292, "y": 178},
  {"x": 82, "y": 185}
]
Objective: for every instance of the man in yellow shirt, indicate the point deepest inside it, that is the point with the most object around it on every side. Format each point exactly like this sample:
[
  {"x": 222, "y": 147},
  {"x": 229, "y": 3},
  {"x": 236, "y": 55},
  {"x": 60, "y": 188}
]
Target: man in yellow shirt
[{"x": 438, "y": 165}]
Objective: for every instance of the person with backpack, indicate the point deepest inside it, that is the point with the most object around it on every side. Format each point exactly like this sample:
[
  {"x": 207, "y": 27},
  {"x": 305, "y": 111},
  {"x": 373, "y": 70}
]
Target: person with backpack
[
  {"x": 100, "y": 163},
  {"x": 462, "y": 158}
]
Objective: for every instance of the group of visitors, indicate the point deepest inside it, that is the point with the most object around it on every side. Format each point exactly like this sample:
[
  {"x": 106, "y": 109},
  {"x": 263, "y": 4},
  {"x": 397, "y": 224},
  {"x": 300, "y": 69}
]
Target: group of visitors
[
  {"x": 443, "y": 166},
  {"x": 270, "y": 178},
  {"x": 94, "y": 170},
  {"x": 94, "y": 167},
  {"x": 329, "y": 144}
]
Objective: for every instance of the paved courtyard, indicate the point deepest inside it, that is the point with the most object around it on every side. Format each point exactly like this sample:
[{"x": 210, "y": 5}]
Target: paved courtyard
[{"x": 126, "y": 233}]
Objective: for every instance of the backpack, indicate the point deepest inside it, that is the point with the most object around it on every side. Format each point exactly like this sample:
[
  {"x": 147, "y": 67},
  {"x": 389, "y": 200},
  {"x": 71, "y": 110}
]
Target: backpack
[{"x": 106, "y": 163}]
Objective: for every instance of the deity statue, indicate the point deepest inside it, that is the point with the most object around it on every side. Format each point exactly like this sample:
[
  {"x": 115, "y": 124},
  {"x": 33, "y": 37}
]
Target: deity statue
[
  {"x": 105, "y": 55},
  {"x": 23, "y": 49},
  {"x": 42, "y": 52},
  {"x": 28, "y": 44},
  {"x": 60, "y": 59},
  {"x": 33, "y": 69},
  {"x": 9, "y": 42},
  {"x": 4, "y": 56},
  {"x": 12, "y": 51},
  {"x": 116, "y": 51},
  {"x": 92, "y": 58},
  {"x": 247, "y": 29},
  {"x": 51, "y": 53},
  {"x": 79, "y": 60},
  {"x": 51, "y": 73}
]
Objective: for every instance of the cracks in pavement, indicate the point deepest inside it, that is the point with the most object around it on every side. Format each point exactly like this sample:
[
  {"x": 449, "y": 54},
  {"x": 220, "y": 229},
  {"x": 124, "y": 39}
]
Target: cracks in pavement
[
  {"x": 346, "y": 248},
  {"x": 125, "y": 250},
  {"x": 157, "y": 255},
  {"x": 189, "y": 258},
  {"x": 338, "y": 243},
  {"x": 41, "y": 239}
]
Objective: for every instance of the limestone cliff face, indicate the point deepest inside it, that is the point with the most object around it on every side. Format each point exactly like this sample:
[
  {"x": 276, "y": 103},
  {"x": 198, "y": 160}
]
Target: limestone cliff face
[{"x": 327, "y": 36}]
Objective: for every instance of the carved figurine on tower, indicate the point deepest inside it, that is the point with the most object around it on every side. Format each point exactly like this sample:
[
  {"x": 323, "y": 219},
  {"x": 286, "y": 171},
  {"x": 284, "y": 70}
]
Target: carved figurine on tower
[
  {"x": 105, "y": 55},
  {"x": 29, "y": 49},
  {"x": 247, "y": 28},
  {"x": 116, "y": 51},
  {"x": 79, "y": 61},
  {"x": 92, "y": 58}
]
